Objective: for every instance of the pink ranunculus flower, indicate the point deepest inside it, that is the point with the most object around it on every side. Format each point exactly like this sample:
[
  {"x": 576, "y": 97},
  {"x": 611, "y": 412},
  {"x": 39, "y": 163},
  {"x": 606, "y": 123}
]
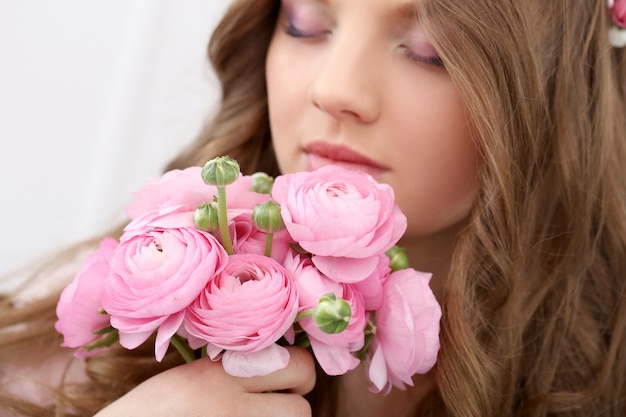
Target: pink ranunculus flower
[
  {"x": 248, "y": 239},
  {"x": 170, "y": 202},
  {"x": 618, "y": 13},
  {"x": 239, "y": 196},
  {"x": 334, "y": 352},
  {"x": 78, "y": 307},
  {"x": 343, "y": 217},
  {"x": 155, "y": 274},
  {"x": 184, "y": 190},
  {"x": 371, "y": 288},
  {"x": 174, "y": 188},
  {"x": 245, "y": 310},
  {"x": 407, "y": 331}
]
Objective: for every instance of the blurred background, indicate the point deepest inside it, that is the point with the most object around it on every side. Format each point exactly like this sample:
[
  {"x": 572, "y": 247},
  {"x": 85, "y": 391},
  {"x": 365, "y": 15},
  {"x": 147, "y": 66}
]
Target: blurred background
[{"x": 95, "y": 96}]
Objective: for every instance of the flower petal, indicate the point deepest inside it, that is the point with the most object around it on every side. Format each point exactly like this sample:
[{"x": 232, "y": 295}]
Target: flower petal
[
  {"x": 334, "y": 360},
  {"x": 377, "y": 369},
  {"x": 165, "y": 332},
  {"x": 348, "y": 270},
  {"x": 259, "y": 363}
]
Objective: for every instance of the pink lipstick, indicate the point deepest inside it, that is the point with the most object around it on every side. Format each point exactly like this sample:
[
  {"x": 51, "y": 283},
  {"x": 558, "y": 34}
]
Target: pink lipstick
[{"x": 319, "y": 154}]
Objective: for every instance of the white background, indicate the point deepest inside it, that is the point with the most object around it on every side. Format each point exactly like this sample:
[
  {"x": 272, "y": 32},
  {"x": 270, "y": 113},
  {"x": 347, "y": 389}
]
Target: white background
[{"x": 95, "y": 96}]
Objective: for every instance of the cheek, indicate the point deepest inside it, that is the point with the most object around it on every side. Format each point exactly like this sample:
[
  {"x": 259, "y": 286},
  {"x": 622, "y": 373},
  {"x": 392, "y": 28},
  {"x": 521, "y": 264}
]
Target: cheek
[
  {"x": 440, "y": 167},
  {"x": 440, "y": 199},
  {"x": 278, "y": 78}
]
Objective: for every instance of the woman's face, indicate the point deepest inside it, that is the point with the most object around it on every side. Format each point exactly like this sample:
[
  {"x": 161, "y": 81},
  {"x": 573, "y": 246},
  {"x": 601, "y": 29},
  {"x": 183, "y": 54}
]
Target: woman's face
[{"x": 357, "y": 83}]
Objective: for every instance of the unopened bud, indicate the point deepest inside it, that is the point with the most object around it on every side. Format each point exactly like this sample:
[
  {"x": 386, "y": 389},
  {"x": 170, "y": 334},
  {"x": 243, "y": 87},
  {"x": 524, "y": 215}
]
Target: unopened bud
[
  {"x": 262, "y": 183},
  {"x": 220, "y": 171},
  {"x": 332, "y": 315},
  {"x": 205, "y": 217},
  {"x": 266, "y": 217},
  {"x": 397, "y": 258}
]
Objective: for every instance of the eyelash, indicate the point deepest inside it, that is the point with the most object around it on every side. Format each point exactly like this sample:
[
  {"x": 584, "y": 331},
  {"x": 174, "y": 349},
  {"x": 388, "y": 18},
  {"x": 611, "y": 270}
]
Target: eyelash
[
  {"x": 291, "y": 30},
  {"x": 434, "y": 61}
]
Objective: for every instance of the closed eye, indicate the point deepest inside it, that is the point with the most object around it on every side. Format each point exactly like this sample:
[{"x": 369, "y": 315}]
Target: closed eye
[
  {"x": 430, "y": 60},
  {"x": 306, "y": 19},
  {"x": 291, "y": 30}
]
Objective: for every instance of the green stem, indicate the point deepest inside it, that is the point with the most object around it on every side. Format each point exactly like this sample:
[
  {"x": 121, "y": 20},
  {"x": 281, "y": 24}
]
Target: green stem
[
  {"x": 303, "y": 341},
  {"x": 222, "y": 218},
  {"x": 268, "y": 244},
  {"x": 183, "y": 348},
  {"x": 103, "y": 342},
  {"x": 304, "y": 314}
]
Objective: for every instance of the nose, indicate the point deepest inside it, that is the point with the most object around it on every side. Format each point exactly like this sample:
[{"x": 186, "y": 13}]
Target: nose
[{"x": 346, "y": 85}]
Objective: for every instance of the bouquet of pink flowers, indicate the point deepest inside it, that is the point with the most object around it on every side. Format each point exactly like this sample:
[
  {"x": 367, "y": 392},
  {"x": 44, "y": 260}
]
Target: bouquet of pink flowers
[{"x": 235, "y": 267}]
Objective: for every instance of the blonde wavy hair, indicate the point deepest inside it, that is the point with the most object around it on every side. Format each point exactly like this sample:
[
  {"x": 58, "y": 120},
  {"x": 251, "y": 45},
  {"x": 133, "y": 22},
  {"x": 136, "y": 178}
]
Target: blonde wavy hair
[{"x": 534, "y": 317}]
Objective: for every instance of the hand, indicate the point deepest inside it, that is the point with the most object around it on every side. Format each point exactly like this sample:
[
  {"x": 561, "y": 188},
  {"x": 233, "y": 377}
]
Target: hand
[{"x": 203, "y": 389}]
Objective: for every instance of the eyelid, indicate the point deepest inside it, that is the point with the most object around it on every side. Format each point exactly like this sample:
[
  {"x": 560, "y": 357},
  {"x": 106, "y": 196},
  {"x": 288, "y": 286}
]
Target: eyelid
[
  {"x": 435, "y": 61},
  {"x": 293, "y": 30},
  {"x": 306, "y": 19},
  {"x": 419, "y": 48},
  {"x": 301, "y": 18}
]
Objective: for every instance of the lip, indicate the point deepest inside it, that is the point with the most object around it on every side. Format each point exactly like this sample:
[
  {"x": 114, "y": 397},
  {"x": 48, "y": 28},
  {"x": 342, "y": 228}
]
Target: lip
[{"x": 320, "y": 153}]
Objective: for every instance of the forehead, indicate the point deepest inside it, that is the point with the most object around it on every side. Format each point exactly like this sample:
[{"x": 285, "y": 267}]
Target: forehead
[
  {"x": 406, "y": 5},
  {"x": 395, "y": 9}
]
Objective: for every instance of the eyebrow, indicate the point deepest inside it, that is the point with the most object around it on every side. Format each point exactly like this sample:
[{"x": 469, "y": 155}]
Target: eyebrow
[{"x": 406, "y": 11}]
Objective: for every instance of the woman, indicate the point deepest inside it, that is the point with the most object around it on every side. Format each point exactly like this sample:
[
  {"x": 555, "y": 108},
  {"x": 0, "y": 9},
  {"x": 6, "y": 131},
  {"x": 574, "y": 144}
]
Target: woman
[{"x": 500, "y": 126}]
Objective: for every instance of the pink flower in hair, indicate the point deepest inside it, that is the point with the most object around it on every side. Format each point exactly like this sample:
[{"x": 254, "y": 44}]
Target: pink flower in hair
[
  {"x": 617, "y": 31},
  {"x": 618, "y": 12}
]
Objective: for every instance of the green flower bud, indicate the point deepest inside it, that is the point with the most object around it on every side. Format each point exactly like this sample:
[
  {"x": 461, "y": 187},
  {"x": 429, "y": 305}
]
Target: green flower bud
[
  {"x": 397, "y": 258},
  {"x": 205, "y": 217},
  {"x": 332, "y": 314},
  {"x": 220, "y": 171},
  {"x": 262, "y": 183},
  {"x": 266, "y": 217}
]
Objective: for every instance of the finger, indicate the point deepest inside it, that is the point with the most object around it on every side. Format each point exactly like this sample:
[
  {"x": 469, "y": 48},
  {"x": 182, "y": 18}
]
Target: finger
[
  {"x": 273, "y": 405},
  {"x": 297, "y": 377}
]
